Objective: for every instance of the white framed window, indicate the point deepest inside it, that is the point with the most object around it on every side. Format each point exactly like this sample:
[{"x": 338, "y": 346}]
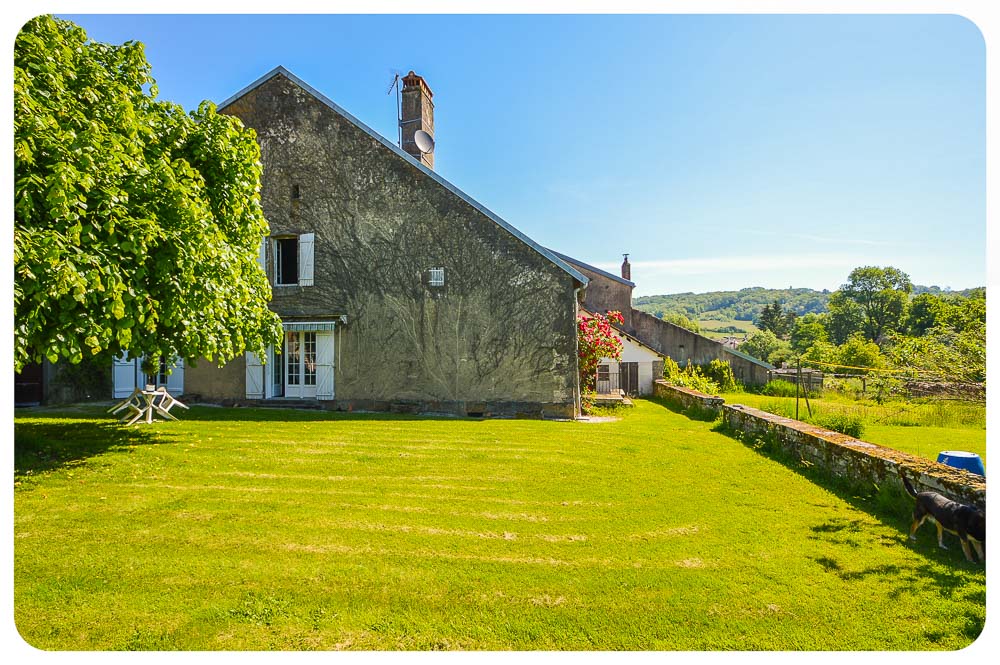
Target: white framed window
[
  {"x": 436, "y": 277},
  {"x": 293, "y": 259}
]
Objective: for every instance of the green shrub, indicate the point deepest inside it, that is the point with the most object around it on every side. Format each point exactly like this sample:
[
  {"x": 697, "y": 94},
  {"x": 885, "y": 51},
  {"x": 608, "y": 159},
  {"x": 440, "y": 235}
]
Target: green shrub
[
  {"x": 689, "y": 377},
  {"x": 721, "y": 373},
  {"x": 778, "y": 388},
  {"x": 845, "y": 423}
]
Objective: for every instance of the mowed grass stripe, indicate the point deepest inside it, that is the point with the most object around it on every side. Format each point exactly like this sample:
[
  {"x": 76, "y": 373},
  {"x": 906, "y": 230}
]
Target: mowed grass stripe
[{"x": 668, "y": 535}]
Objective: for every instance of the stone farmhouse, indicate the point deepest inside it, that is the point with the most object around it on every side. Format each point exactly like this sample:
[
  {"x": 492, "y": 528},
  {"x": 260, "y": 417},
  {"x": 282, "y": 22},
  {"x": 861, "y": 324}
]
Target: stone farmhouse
[
  {"x": 399, "y": 292},
  {"x": 396, "y": 290}
]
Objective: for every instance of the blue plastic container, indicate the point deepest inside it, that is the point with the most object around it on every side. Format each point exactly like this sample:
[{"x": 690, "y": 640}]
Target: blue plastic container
[{"x": 960, "y": 459}]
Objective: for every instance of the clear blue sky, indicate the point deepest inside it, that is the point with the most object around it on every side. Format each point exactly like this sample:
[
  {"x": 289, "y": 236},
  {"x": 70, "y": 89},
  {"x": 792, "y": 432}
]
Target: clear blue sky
[{"x": 720, "y": 151}]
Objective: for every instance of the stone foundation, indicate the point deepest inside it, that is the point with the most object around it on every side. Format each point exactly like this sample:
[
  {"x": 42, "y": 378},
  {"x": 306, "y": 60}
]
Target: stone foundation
[{"x": 456, "y": 408}]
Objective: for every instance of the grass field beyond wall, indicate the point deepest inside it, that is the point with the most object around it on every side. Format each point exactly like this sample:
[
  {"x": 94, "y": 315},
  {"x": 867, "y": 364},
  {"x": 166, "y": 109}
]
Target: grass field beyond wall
[
  {"x": 274, "y": 529},
  {"x": 922, "y": 428}
]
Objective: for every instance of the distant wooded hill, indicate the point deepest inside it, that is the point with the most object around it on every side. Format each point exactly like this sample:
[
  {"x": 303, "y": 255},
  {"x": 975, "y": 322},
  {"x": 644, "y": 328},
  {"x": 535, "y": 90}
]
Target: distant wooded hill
[{"x": 745, "y": 304}]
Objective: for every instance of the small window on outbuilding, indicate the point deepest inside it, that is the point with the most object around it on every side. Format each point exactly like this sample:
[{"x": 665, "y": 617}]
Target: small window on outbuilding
[
  {"x": 436, "y": 277},
  {"x": 286, "y": 261}
]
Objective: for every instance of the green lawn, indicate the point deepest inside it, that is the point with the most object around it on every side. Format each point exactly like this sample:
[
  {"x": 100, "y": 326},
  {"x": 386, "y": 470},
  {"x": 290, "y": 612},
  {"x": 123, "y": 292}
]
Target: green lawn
[
  {"x": 919, "y": 428},
  {"x": 274, "y": 529}
]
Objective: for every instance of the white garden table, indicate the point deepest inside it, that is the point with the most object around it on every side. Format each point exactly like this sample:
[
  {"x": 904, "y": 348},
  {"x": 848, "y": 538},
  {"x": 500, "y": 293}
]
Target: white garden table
[{"x": 142, "y": 404}]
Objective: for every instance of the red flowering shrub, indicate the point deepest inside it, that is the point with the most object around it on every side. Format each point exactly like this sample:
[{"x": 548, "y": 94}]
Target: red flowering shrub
[{"x": 596, "y": 341}]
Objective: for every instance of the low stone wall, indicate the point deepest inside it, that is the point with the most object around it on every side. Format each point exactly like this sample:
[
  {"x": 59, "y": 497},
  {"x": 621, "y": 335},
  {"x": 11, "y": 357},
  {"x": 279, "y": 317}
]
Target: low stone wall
[
  {"x": 686, "y": 397},
  {"x": 847, "y": 457}
]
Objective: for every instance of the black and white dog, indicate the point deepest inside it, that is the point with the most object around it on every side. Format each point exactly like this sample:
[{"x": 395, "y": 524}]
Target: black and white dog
[{"x": 966, "y": 522}]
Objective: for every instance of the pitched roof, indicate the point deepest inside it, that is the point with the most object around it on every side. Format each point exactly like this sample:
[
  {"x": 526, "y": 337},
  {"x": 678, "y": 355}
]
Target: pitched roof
[
  {"x": 756, "y": 361},
  {"x": 571, "y": 260},
  {"x": 281, "y": 71}
]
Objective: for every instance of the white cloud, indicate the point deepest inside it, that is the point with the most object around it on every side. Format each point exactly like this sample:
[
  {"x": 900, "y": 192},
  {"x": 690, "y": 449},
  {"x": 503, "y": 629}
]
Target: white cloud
[{"x": 842, "y": 240}]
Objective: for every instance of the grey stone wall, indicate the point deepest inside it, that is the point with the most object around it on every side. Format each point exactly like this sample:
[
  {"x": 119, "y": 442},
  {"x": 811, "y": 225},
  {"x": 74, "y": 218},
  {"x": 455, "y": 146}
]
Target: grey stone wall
[
  {"x": 686, "y": 397},
  {"x": 219, "y": 383},
  {"x": 65, "y": 383},
  {"x": 683, "y": 346},
  {"x": 605, "y": 295},
  {"x": 502, "y": 329},
  {"x": 847, "y": 457}
]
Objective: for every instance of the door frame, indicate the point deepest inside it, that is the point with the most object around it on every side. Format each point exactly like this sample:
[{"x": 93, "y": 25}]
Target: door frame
[{"x": 300, "y": 389}]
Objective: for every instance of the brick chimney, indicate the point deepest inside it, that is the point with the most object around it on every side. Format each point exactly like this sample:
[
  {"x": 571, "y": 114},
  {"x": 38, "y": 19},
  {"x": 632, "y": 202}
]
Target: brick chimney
[
  {"x": 417, "y": 113},
  {"x": 626, "y": 269}
]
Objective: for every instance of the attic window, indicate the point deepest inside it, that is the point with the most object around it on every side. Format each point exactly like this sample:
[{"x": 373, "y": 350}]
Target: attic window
[
  {"x": 286, "y": 264},
  {"x": 436, "y": 277}
]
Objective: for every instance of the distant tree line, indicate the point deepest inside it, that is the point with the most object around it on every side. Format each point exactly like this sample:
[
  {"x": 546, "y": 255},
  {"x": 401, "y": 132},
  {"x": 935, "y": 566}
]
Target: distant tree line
[
  {"x": 876, "y": 321},
  {"x": 743, "y": 305}
]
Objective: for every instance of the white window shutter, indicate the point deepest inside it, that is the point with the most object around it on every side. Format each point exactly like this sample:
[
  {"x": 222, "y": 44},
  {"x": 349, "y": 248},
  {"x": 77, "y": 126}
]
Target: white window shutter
[
  {"x": 255, "y": 376},
  {"x": 262, "y": 254},
  {"x": 307, "y": 242},
  {"x": 175, "y": 380},
  {"x": 123, "y": 377},
  {"x": 324, "y": 365}
]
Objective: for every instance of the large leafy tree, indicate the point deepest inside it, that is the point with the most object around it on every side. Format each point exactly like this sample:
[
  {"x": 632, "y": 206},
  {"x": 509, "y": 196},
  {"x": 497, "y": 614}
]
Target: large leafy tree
[
  {"x": 808, "y": 330},
  {"x": 136, "y": 225},
  {"x": 761, "y": 344},
  {"x": 774, "y": 318},
  {"x": 880, "y": 296}
]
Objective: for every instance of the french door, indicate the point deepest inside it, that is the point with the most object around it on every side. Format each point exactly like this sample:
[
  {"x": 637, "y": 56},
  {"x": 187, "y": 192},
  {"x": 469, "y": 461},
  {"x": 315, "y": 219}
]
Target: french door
[{"x": 299, "y": 364}]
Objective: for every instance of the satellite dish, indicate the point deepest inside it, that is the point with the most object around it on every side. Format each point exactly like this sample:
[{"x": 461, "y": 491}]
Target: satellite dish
[{"x": 424, "y": 141}]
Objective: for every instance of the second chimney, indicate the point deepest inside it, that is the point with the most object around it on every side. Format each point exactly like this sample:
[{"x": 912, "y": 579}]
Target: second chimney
[
  {"x": 626, "y": 269},
  {"x": 417, "y": 113}
]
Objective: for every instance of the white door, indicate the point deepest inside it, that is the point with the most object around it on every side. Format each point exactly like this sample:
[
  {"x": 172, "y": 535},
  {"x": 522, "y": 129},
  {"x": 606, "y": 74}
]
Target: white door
[
  {"x": 123, "y": 377},
  {"x": 175, "y": 380},
  {"x": 300, "y": 364},
  {"x": 127, "y": 375}
]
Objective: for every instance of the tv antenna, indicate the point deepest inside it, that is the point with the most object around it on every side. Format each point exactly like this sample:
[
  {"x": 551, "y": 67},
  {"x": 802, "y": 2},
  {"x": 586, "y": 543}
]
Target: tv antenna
[{"x": 399, "y": 118}]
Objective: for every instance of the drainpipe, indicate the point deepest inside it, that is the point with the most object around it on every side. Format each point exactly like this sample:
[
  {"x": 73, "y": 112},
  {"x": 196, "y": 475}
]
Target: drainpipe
[{"x": 577, "y": 397}]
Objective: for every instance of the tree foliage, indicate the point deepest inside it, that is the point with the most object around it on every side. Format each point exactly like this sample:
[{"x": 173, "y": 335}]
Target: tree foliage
[
  {"x": 743, "y": 305},
  {"x": 808, "y": 330},
  {"x": 774, "y": 318},
  {"x": 136, "y": 225},
  {"x": 766, "y": 346},
  {"x": 678, "y": 320},
  {"x": 881, "y": 296}
]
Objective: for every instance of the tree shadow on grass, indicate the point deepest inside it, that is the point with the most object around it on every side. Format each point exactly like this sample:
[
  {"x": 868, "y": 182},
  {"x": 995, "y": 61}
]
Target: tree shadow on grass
[
  {"x": 49, "y": 443},
  {"x": 945, "y": 571},
  {"x": 249, "y": 413}
]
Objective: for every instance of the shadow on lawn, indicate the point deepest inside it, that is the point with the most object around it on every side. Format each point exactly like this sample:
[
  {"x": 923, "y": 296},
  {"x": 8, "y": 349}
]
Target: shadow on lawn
[
  {"x": 946, "y": 570},
  {"x": 47, "y": 438},
  {"x": 43, "y": 446},
  {"x": 212, "y": 412}
]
